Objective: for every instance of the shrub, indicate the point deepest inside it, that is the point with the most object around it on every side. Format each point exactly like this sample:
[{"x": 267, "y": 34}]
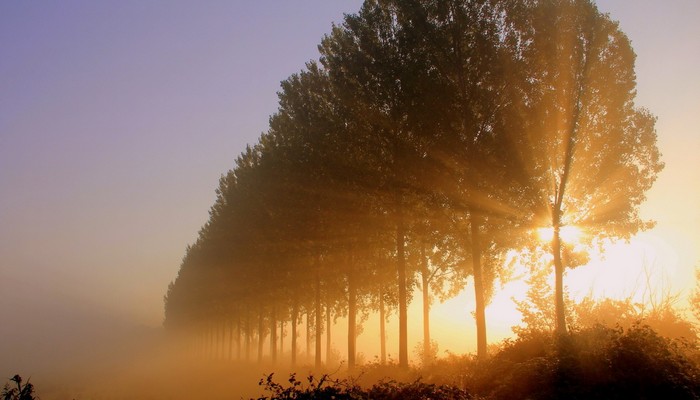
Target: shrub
[
  {"x": 20, "y": 392},
  {"x": 598, "y": 362},
  {"x": 328, "y": 388}
]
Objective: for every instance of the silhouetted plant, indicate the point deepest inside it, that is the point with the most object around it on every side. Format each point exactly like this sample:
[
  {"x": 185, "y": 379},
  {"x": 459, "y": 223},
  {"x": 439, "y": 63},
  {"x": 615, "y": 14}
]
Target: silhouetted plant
[
  {"x": 329, "y": 388},
  {"x": 416, "y": 391},
  {"x": 323, "y": 388},
  {"x": 598, "y": 362},
  {"x": 18, "y": 391}
]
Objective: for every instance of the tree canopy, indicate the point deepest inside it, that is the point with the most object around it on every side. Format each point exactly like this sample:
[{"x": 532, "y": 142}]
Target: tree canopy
[{"x": 429, "y": 140}]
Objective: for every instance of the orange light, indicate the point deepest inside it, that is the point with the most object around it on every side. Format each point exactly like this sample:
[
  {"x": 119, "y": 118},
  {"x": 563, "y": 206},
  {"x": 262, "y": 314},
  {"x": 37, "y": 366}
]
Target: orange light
[{"x": 569, "y": 234}]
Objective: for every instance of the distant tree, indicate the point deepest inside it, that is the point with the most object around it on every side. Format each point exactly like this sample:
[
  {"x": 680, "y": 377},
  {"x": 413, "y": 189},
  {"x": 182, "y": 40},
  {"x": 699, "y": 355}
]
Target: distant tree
[{"x": 440, "y": 272}]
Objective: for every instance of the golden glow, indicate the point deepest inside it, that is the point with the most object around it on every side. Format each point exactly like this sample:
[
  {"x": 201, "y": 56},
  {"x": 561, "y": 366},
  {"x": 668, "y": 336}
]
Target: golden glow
[
  {"x": 568, "y": 234},
  {"x": 641, "y": 269}
]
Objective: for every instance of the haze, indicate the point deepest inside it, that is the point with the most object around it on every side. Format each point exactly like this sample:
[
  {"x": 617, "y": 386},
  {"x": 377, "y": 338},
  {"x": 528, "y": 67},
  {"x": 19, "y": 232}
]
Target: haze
[{"x": 117, "y": 120}]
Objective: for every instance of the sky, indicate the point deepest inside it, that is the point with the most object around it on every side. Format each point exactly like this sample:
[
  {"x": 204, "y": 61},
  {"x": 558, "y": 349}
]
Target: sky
[{"x": 117, "y": 120}]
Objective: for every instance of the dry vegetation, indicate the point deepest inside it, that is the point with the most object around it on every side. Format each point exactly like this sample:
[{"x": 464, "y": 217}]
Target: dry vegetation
[{"x": 597, "y": 362}]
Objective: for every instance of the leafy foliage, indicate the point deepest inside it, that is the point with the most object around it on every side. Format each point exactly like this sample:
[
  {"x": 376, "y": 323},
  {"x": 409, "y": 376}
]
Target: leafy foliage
[
  {"x": 18, "y": 391},
  {"x": 329, "y": 388},
  {"x": 428, "y": 140},
  {"x": 538, "y": 312},
  {"x": 598, "y": 362},
  {"x": 695, "y": 295}
]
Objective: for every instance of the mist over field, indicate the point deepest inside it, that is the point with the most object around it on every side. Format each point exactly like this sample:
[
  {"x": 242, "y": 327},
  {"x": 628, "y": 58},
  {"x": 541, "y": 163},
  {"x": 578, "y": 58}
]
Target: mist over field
[{"x": 474, "y": 199}]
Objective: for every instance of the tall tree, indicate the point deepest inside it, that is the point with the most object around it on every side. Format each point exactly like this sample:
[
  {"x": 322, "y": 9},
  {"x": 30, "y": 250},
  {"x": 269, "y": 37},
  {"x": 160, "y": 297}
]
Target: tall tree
[
  {"x": 592, "y": 153},
  {"x": 383, "y": 81},
  {"x": 464, "y": 42}
]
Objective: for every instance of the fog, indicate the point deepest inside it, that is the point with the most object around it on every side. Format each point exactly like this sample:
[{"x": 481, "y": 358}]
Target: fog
[
  {"x": 116, "y": 122},
  {"x": 82, "y": 356}
]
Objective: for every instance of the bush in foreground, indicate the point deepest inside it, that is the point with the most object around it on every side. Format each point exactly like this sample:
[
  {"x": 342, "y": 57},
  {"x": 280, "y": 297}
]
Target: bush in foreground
[
  {"x": 599, "y": 362},
  {"x": 329, "y": 388},
  {"x": 595, "y": 363},
  {"x": 18, "y": 391}
]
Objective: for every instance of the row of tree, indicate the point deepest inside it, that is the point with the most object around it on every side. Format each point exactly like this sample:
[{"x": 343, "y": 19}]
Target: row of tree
[{"x": 430, "y": 139}]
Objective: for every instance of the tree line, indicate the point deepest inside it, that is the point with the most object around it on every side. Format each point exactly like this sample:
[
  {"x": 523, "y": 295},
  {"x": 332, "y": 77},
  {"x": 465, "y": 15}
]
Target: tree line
[{"x": 429, "y": 140}]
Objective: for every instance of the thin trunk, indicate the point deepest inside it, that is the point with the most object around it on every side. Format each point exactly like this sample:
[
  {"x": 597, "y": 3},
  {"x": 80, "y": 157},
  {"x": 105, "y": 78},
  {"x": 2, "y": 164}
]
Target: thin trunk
[
  {"x": 403, "y": 306},
  {"x": 222, "y": 351},
  {"x": 247, "y": 335},
  {"x": 273, "y": 334},
  {"x": 230, "y": 339},
  {"x": 261, "y": 336},
  {"x": 211, "y": 340},
  {"x": 382, "y": 326},
  {"x": 205, "y": 342},
  {"x": 283, "y": 323},
  {"x": 480, "y": 304},
  {"x": 308, "y": 336},
  {"x": 238, "y": 338},
  {"x": 328, "y": 333},
  {"x": 217, "y": 341},
  {"x": 424, "y": 273},
  {"x": 222, "y": 345},
  {"x": 202, "y": 342},
  {"x": 295, "y": 315},
  {"x": 319, "y": 323},
  {"x": 559, "y": 306},
  {"x": 221, "y": 338},
  {"x": 352, "y": 316}
]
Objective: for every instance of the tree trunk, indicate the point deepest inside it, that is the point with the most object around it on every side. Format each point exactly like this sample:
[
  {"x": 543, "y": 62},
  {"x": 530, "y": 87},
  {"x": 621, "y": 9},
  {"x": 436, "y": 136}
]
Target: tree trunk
[
  {"x": 261, "y": 336},
  {"x": 328, "y": 333},
  {"x": 382, "y": 327},
  {"x": 215, "y": 347},
  {"x": 425, "y": 277},
  {"x": 403, "y": 303},
  {"x": 222, "y": 346},
  {"x": 247, "y": 335},
  {"x": 211, "y": 351},
  {"x": 559, "y": 306},
  {"x": 352, "y": 316},
  {"x": 238, "y": 338},
  {"x": 217, "y": 341},
  {"x": 283, "y": 323},
  {"x": 230, "y": 339},
  {"x": 199, "y": 342},
  {"x": 221, "y": 352},
  {"x": 273, "y": 334},
  {"x": 319, "y": 326},
  {"x": 308, "y": 336},
  {"x": 295, "y": 315},
  {"x": 480, "y": 305}
]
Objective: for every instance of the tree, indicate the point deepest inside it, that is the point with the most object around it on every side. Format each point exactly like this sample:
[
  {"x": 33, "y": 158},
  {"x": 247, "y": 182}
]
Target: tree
[
  {"x": 376, "y": 75},
  {"x": 438, "y": 135},
  {"x": 591, "y": 154},
  {"x": 537, "y": 309}
]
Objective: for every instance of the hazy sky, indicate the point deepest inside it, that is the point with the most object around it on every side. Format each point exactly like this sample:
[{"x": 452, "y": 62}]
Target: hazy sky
[{"x": 118, "y": 118}]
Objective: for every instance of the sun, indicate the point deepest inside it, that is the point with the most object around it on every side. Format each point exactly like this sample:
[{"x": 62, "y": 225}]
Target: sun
[{"x": 569, "y": 234}]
